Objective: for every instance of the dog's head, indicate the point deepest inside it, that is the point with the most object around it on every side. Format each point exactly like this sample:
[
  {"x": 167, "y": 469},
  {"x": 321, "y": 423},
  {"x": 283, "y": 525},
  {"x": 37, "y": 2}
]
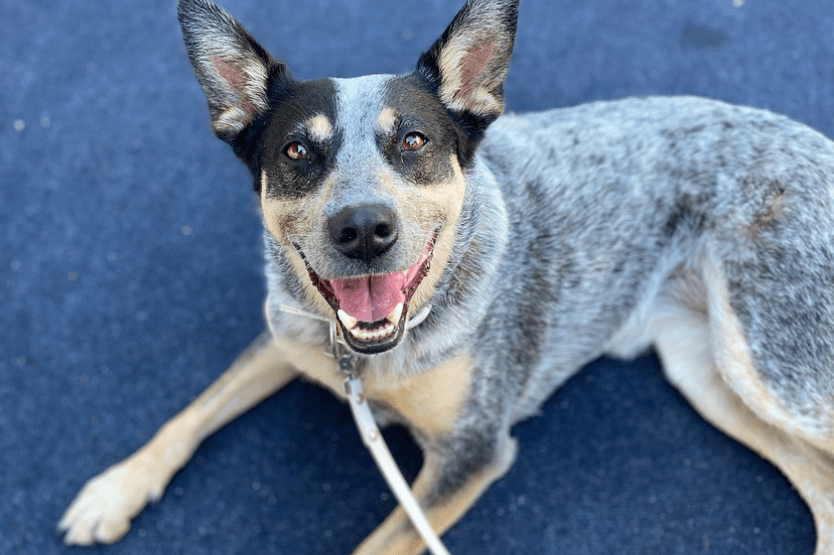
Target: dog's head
[{"x": 361, "y": 180}]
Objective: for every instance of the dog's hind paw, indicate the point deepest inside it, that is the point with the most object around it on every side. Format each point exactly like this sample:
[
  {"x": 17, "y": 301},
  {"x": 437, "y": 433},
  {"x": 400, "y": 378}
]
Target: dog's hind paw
[{"x": 103, "y": 509}]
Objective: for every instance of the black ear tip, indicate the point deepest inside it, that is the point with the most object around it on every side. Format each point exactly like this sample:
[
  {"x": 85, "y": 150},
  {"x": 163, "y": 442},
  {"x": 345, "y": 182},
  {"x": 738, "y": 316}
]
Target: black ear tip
[
  {"x": 185, "y": 7},
  {"x": 191, "y": 9}
]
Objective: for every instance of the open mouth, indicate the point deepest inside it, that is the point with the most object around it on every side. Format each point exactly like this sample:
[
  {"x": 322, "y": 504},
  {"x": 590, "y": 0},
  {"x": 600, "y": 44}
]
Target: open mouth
[{"x": 372, "y": 310}]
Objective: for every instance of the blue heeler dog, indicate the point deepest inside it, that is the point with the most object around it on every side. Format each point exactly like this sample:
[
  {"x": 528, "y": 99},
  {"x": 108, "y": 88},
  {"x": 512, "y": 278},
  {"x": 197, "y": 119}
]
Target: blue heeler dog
[{"x": 539, "y": 242}]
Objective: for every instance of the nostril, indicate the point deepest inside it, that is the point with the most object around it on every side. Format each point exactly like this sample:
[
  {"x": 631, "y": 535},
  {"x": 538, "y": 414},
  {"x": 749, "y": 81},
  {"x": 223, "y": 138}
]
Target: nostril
[
  {"x": 347, "y": 235},
  {"x": 383, "y": 231}
]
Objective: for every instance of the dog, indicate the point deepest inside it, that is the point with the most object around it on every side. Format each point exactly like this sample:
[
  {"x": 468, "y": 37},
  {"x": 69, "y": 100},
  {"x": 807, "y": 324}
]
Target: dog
[{"x": 535, "y": 243}]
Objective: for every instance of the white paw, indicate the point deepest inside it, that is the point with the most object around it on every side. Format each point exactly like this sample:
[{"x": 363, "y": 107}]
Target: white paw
[{"x": 103, "y": 509}]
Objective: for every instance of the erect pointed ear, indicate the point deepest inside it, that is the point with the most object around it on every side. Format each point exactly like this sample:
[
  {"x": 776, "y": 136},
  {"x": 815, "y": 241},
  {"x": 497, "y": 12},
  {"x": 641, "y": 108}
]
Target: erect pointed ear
[
  {"x": 232, "y": 68},
  {"x": 468, "y": 64}
]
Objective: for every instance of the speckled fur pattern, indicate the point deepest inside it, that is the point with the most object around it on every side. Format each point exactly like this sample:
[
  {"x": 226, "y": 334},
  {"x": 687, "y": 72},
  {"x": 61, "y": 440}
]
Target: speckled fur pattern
[{"x": 703, "y": 229}]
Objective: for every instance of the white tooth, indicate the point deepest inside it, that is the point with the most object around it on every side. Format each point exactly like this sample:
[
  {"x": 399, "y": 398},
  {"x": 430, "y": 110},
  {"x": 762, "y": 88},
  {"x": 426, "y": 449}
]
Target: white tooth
[
  {"x": 396, "y": 314},
  {"x": 362, "y": 334},
  {"x": 348, "y": 320}
]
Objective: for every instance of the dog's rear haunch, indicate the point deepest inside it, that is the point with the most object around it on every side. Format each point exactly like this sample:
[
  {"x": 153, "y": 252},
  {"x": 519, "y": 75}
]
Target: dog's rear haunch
[{"x": 540, "y": 242}]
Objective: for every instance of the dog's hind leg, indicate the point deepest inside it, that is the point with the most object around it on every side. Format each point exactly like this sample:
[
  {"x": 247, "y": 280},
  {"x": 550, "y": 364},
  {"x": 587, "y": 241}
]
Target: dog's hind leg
[
  {"x": 102, "y": 511},
  {"x": 685, "y": 339}
]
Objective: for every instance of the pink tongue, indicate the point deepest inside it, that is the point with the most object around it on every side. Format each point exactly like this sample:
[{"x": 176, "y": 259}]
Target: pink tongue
[{"x": 370, "y": 298}]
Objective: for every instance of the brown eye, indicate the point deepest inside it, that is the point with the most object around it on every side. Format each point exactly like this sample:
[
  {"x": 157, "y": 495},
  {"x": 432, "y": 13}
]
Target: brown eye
[
  {"x": 296, "y": 151},
  {"x": 414, "y": 141}
]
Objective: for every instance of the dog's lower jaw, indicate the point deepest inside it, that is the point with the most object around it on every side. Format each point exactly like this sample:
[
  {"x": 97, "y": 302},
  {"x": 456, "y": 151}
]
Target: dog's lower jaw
[{"x": 372, "y": 346}]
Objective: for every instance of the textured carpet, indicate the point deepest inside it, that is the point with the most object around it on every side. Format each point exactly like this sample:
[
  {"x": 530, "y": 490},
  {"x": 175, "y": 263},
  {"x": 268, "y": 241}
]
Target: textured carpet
[{"x": 130, "y": 276}]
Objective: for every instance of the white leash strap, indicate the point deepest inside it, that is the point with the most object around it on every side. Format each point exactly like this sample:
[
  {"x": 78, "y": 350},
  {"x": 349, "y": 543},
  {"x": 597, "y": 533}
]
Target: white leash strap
[
  {"x": 371, "y": 436},
  {"x": 373, "y": 440}
]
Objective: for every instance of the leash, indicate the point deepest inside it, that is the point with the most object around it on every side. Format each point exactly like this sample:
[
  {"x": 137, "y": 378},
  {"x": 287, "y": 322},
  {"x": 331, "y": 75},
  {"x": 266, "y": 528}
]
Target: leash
[{"x": 369, "y": 431}]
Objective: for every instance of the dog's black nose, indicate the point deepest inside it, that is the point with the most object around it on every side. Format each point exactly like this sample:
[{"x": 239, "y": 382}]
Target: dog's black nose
[{"x": 364, "y": 231}]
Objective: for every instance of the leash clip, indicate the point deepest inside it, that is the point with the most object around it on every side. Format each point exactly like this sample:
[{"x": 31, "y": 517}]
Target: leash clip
[{"x": 346, "y": 360}]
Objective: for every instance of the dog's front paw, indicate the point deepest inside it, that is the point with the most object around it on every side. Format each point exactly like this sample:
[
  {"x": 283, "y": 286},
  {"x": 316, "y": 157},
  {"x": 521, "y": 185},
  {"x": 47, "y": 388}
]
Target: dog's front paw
[{"x": 103, "y": 509}]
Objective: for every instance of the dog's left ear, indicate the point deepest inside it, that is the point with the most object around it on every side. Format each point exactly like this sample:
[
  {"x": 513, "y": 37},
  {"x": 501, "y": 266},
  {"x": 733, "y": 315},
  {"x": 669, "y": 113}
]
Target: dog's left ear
[{"x": 468, "y": 64}]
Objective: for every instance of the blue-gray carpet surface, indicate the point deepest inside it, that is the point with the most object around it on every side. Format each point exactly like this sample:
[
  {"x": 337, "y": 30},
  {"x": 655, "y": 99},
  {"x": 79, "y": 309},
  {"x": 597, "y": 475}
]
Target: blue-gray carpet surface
[{"x": 130, "y": 277}]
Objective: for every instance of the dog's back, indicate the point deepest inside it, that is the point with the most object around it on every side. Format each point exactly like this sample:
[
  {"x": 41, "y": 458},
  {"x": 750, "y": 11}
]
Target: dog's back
[{"x": 609, "y": 201}]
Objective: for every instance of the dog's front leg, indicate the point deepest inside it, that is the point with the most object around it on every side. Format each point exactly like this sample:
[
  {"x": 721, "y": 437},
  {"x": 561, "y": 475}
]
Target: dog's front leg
[
  {"x": 455, "y": 473},
  {"x": 102, "y": 511}
]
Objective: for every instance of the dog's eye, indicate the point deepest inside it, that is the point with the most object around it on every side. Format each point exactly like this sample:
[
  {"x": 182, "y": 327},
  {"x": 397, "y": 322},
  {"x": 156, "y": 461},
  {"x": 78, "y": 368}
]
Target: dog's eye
[
  {"x": 296, "y": 151},
  {"x": 414, "y": 141}
]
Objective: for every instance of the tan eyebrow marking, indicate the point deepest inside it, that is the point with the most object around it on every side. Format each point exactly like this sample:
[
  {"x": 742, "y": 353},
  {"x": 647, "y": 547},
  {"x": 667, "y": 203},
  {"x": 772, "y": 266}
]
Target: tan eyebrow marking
[
  {"x": 319, "y": 128},
  {"x": 387, "y": 121}
]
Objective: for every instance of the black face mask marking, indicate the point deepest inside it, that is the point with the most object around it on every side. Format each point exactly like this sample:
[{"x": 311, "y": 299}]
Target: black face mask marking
[{"x": 415, "y": 110}]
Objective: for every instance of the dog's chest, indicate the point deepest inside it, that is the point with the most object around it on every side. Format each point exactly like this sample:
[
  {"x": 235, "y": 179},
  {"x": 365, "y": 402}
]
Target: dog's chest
[{"x": 429, "y": 402}]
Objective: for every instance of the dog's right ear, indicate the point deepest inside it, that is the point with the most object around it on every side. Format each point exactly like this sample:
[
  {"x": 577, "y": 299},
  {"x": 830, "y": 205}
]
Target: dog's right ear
[{"x": 232, "y": 68}]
